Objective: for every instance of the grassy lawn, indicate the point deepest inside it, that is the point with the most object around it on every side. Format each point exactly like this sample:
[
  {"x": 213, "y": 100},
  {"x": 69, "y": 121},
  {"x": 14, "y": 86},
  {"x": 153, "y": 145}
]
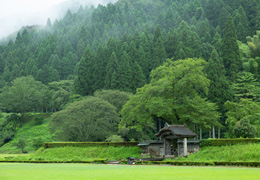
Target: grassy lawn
[
  {"x": 4, "y": 157},
  {"x": 238, "y": 152},
  {"x": 84, "y": 171}
]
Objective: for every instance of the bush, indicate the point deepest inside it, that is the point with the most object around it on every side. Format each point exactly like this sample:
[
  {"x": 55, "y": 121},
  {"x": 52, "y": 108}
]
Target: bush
[
  {"x": 115, "y": 138},
  {"x": 37, "y": 143},
  {"x": 38, "y": 120},
  {"x": 244, "y": 129},
  {"x": 21, "y": 144}
]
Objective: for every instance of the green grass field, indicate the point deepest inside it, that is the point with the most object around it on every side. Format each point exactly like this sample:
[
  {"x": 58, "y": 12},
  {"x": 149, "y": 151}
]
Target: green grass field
[
  {"x": 238, "y": 152},
  {"x": 83, "y": 171}
]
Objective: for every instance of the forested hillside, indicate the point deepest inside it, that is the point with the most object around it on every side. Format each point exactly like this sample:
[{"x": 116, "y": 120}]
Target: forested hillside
[{"x": 116, "y": 47}]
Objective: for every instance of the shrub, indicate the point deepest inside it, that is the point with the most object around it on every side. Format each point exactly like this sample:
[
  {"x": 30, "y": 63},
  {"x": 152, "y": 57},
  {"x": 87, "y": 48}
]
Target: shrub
[
  {"x": 114, "y": 138},
  {"x": 21, "y": 144}
]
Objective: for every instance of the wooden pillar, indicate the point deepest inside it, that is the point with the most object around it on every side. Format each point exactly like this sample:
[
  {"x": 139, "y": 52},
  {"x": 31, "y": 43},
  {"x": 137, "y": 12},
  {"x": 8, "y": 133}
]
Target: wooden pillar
[
  {"x": 164, "y": 145},
  {"x": 213, "y": 132},
  {"x": 185, "y": 147},
  {"x": 218, "y": 133},
  {"x": 160, "y": 127},
  {"x": 200, "y": 134}
]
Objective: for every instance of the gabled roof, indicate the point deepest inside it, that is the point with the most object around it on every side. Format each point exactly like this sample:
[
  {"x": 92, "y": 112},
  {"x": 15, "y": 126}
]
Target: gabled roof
[{"x": 177, "y": 131}]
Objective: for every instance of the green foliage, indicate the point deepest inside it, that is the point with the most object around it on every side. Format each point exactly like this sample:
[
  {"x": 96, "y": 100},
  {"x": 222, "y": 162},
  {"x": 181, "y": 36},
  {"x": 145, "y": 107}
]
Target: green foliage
[
  {"x": 246, "y": 87},
  {"x": 254, "y": 44},
  {"x": 21, "y": 144},
  {"x": 245, "y": 109},
  {"x": 244, "y": 129},
  {"x": 219, "y": 89},
  {"x": 85, "y": 74},
  {"x": 89, "y": 144},
  {"x": 32, "y": 133},
  {"x": 230, "y": 50},
  {"x": 22, "y": 95},
  {"x": 115, "y": 97},
  {"x": 114, "y": 138},
  {"x": 174, "y": 96},
  {"x": 89, "y": 119},
  {"x": 126, "y": 41},
  {"x": 9, "y": 124}
]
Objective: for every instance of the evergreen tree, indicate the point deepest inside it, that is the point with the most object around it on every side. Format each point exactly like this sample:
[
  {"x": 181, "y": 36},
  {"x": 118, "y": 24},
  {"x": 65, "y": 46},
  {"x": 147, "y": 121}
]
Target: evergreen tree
[
  {"x": 138, "y": 79},
  {"x": 246, "y": 87},
  {"x": 219, "y": 89},
  {"x": 124, "y": 74},
  {"x": 85, "y": 73},
  {"x": 217, "y": 43},
  {"x": 111, "y": 69},
  {"x": 80, "y": 48},
  {"x": 2, "y": 65},
  {"x": 171, "y": 43},
  {"x": 223, "y": 17},
  {"x": 242, "y": 24},
  {"x": 230, "y": 50},
  {"x": 15, "y": 72}
]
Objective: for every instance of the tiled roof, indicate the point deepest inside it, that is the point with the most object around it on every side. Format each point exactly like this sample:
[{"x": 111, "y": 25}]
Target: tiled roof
[{"x": 177, "y": 131}]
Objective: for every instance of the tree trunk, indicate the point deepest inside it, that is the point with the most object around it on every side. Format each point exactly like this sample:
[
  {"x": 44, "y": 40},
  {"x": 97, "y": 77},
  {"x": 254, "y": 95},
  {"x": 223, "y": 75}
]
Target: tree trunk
[
  {"x": 218, "y": 133},
  {"x": 209, "y": 133},
  {"x": 213, "y": 132},
  {"x": 200, "y": 134}
]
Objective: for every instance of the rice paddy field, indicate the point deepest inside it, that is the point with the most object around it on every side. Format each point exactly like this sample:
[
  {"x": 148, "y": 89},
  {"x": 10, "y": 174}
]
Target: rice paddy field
[{"x": 20, "y": 171}]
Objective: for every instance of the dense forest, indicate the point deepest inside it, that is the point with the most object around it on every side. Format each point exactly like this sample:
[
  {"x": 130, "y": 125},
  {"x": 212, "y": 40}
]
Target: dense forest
[{"x": 178, "y": 61}]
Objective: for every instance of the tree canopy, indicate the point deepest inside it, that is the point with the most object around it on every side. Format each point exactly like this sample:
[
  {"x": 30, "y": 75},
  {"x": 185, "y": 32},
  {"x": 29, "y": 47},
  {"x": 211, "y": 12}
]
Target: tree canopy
[
  {"x": 175, "y": 94},
  {"x": 89, "y": 119}
]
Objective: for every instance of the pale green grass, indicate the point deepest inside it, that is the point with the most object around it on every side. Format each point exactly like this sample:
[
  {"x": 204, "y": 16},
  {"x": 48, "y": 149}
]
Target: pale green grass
[
  {"x": 4, "y": 157},
  {"x": 113, "y": 172},
  {"x": 86, "y": 153},
  {"x": 238, "y": 152}
]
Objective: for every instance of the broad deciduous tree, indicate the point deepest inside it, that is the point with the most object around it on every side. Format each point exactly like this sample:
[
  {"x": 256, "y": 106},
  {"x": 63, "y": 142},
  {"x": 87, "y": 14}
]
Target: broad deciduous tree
[{"x": 174, "y": 96}]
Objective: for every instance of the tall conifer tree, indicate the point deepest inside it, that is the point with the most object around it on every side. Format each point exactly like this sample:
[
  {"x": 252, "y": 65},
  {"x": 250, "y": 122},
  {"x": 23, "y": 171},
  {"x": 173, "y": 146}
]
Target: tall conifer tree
[
  {"x": 230, "y": 49},
  {"x": 85, "y": 81}
]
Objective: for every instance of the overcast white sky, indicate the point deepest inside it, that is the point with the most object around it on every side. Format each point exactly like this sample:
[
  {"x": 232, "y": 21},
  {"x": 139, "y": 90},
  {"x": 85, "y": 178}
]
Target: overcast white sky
[{"x": 17, "y": 13}]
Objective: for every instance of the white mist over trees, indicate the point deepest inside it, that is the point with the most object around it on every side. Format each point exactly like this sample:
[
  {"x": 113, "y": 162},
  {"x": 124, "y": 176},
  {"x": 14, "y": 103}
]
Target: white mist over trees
[{"x": 17, "y": 13}]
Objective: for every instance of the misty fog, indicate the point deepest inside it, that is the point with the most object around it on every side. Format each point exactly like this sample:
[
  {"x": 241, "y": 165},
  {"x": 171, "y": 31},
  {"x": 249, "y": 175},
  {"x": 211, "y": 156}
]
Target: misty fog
[{"x": 15, "y": 14}]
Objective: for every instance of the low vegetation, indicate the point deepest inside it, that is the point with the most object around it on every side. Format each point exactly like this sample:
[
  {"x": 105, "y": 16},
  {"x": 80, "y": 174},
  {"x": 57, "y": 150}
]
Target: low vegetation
[
  {"x": 234, "y": 153},
  {"x": 28, "y": 138},
  {"x": 86, "y": 153}
]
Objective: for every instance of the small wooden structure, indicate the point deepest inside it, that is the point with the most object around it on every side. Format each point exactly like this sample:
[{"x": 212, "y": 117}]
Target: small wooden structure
[
  {"x": 175, "y": 142},
  {"x": 171, "y": 134}
]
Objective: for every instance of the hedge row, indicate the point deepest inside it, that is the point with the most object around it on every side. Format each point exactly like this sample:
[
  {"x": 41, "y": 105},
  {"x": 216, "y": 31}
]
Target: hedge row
[
  {"x": 248, "y": 164},
  {"x": 99, "y": 161},
  {"x": 88, "y": 144},
  {"x": 104, "y": 161},
  {"x": 227, "y": 142}
]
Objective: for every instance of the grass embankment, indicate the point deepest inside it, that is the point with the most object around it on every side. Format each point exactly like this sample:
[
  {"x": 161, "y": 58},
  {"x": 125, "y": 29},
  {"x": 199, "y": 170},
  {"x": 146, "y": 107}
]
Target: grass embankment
[
  {"x": 32, "y": 134},
  {"x": 77, "y": 154},
  {"x": 86, "y": 153},
  {"x": 83, "y": 171},
  {"x": 233, "y": 153}
]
